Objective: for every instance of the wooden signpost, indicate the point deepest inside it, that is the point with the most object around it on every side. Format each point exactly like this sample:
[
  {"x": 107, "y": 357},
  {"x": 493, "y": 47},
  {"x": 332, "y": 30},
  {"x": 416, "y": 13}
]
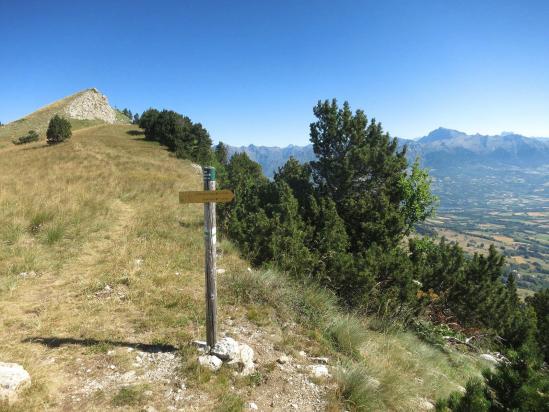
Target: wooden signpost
[{"x": 209, "y": 197}]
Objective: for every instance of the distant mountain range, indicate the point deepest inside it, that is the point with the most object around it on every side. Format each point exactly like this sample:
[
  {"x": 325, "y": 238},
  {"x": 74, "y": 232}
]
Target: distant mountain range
[{"x": 441, "y": 149}]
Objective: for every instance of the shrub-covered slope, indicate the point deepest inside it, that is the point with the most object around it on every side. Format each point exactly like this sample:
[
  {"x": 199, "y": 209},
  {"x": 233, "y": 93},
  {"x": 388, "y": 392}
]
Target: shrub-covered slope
[{"x": 101, "y": 293}]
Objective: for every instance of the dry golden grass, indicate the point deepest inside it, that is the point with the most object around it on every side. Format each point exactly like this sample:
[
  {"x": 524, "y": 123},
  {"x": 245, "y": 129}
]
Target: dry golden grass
[{"x": 101, "y": 209}]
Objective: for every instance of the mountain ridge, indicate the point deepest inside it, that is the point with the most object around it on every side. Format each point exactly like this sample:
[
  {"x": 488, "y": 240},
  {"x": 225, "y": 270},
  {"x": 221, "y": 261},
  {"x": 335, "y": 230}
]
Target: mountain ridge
[{"x": 442, "y": 147}]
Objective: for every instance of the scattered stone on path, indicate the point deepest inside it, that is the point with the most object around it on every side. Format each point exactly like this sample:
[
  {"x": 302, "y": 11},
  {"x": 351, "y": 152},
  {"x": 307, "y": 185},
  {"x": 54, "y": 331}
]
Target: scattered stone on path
[
  {"x": 13, "y": 379},
  {"x": 201, "y": 345},
  {"x": 321, "y": 360},
  {"x": 319, "y": 371},
  {"x": 234, "y": 353},
  {"x": 211, "y": 362},
  {"x": 283, "y": 359},
  {"x": 226, "y": 349},
  {"x": 252, "y": 406},
  {"x": 31, "y": 274}
]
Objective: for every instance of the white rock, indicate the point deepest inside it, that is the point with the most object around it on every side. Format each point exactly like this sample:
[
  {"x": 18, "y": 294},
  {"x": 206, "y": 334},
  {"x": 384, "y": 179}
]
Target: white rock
[
  {"x": 211, "y": 362},
  {"x": 13, "y": 379},
  {"x": 425, "y": 405},
  {"x": 252, "y": 406},
  {"x": 90, "y": 105},
  {"x": 246, "y": 359},
  {"x": 303, "y": 354},
  {"x": 226, "y": 349},
  {"x": 319, "y": 371},
  {"x": 220, "y": 271},
  {"x": 489, "y": 358},
  {"x": 283, "y": 359},
  {"x": 200, "y": 345}
]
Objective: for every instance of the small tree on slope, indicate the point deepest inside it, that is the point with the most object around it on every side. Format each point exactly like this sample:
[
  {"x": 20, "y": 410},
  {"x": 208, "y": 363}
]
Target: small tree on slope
[{"x": 59, "y": 129}]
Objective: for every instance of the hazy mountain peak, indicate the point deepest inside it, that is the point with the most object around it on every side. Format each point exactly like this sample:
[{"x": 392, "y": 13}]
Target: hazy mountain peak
[{"x": 441, "y": 133}]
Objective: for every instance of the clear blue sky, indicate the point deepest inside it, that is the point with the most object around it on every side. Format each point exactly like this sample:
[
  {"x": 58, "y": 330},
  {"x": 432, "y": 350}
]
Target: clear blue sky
[{"x": 251, "y": 71}]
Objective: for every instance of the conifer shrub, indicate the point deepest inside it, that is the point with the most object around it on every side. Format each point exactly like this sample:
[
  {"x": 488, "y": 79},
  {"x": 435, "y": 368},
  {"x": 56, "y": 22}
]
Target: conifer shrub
[
  {"x": 187, "y": 139},
  {"x": 59, "y": 130},
  {"x": 519, "y": 385},
  {"x": 30, "y": 137}
]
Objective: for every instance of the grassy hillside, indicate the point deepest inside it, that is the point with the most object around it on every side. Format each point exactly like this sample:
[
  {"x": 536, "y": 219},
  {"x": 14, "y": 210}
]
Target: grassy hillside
[
  {"x": 101, "y": 292},
  {"x": 39, "y": 120}
]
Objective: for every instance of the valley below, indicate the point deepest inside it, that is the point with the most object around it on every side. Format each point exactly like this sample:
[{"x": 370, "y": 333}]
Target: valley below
[{"x": 507, "y": 207}]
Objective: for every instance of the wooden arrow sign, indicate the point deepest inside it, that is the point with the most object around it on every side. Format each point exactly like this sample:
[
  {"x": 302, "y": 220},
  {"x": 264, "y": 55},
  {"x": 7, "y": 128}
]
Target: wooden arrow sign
[{"x": 214, "y": 196}]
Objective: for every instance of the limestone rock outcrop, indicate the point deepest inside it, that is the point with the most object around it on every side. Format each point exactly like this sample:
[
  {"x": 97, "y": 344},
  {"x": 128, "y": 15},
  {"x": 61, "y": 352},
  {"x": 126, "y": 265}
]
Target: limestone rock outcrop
[{"x": 91, "y": 105}]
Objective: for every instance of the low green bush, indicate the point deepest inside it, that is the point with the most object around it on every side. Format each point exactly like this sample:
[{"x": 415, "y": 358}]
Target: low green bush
[{"x": 30, "y": 137}]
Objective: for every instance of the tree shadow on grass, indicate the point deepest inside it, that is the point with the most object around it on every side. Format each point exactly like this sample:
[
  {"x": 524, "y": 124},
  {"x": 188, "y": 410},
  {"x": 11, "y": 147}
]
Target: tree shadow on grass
[
  {"x": 135, "y": 132},
  {"x": 54, "y": 342}
]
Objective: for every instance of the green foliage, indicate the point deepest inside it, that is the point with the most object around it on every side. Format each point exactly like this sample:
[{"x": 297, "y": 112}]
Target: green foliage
[
  {"x": 337, "y": 220},
  {"x": 419, "y": 203},
  {"x": 127, "y": 113},
  {"x": 30, "y": 137},
  {"x": 221, "y": 153},
  {"x": 147, "y": 119},
  {"x": 436, "y": 266},
  {"x": 59, "y": 130},
  {"x": 360, "y": 168},
  {"x": 540, "y": 304},
  {"x": 472, "y": 289},
  {"x": 385, "y": 279},
  {"x": 187, "y": 139},
  {"x": 519, "y": 385}
]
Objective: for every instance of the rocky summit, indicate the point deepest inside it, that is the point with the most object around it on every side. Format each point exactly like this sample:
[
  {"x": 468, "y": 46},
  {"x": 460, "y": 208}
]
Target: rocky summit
[{"x": 91, "y": 105}]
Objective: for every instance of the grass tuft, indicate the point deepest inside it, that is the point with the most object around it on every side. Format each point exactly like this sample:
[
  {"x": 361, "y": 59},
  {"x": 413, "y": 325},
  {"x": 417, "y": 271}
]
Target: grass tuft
[
  {"x": 229, "y": 402},
  {"x": 39, "y": 219},
  {"x": 129, "y": 395},
  {"x": 355, "y": 388},
  {"x": 347, "y": 333},
  {"x": 55, "y": 233}
]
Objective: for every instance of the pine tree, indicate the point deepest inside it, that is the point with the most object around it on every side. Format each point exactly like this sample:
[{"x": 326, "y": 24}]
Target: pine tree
[
  {"x": 360, "y": 167},
  {"x": 59, "y": 129},
  {"x": 540, "y": 304},
  {"x": 222, "y": 153}
]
